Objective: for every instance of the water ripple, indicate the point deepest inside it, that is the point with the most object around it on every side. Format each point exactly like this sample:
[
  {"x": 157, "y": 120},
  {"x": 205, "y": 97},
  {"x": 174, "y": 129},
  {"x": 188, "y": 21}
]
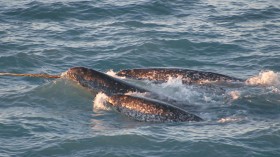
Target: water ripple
[{"x": 56, "y": 118}]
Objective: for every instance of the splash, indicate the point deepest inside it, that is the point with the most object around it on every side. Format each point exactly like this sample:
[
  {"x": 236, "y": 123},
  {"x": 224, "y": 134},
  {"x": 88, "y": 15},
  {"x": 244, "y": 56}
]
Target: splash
[
  {"x": 230, "y": 119},
  {"x": 113, "y": 74},
  {"x": 175, "y": 88},
  {"x": 174, "y": 81},
  {"x": 234, "y": 95},
  {"x": 100, "y": 101},
  {"x": 264, "y": 78},
  {"x": 188, "y": 94},
  {"x": 63, "y": 74},
  {"x": 274, "y": 89}
]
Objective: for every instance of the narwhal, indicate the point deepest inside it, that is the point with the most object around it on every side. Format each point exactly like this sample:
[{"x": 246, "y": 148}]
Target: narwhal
[
  {"x": 160, "y": 75},
  {"x": 138, "y": 108},
  {"x": 149, "y": 110}
]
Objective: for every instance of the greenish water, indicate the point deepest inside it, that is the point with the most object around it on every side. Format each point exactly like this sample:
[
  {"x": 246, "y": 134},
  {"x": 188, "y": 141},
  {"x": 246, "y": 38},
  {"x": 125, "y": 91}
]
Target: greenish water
[{"x": 41, "y": 117}]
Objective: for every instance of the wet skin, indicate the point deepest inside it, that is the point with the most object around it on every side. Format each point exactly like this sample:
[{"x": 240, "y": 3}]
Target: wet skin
[
  {"x": 160, "y": 75},
  {"x": 141, "y": 109}
]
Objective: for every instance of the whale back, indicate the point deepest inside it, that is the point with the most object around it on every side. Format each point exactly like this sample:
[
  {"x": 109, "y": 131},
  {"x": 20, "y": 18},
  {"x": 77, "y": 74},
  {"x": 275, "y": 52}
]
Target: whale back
[
  {"x": 98, "y": 81},
  {"x": 188, "y": 76},
  {"x": 149, "y": 110}
]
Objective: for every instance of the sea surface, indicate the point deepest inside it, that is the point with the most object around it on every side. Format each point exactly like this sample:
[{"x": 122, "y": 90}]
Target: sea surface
[{"x": 54, "y": 118}]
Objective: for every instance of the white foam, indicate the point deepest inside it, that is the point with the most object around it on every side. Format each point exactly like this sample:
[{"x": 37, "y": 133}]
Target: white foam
[
  {"x": 113, "y": 74},
  {"x": 230, "y": 119},
  {"x": 234, "y": 94},
  {"x": 264, "y": 78},
  {"x": 174, "y": 81},
  {"x": 207, "y": 98},
  {"x": 99, "y": 102},
  {"x": 136, "y": 94},
  {"x": 175, "y": 89},
  {"x": 64, "y": 74},
  {"x": 274, "y": 89}
]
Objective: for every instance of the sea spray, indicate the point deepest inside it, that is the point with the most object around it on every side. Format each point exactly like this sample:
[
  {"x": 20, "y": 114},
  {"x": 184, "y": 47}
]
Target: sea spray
[
  {"x": 267, "y": 78},
  {"x": 189, "y": 94},
  {"x": 174, "y": 88},
  {"x": 234, "y": 94},
  {"x": 270, "y": 80},
  {"x": 231, "y": 119},
  {"x": 113, "y": 74},
  {"x": 99, "y": 102}
]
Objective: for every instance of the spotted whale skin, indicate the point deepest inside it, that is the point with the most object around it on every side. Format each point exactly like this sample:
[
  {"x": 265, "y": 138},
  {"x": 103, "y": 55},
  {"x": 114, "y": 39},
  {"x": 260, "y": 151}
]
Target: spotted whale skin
[
  {"x": 160, "y": 75},
  {"x": 137, "y": 108},
  {"x": 149, "y": 110},
  {"x": 100, "y": 82}
]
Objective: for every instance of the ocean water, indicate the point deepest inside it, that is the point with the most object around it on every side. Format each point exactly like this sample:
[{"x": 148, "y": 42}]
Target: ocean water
[{"x": 44, "y": 117}]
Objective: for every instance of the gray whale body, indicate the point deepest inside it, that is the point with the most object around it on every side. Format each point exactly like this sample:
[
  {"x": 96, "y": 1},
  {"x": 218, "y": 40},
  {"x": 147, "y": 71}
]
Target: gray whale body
[
  {"x": 188, "y": 76},
  {"x": 141, "y": 109},
  {"x": 149, "y": 110},
  {"x": 98, "y": 81}
]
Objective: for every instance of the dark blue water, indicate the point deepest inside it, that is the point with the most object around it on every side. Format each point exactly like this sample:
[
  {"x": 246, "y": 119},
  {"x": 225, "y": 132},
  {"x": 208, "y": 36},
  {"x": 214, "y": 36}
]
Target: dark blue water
[{"x": 43, "y": 117}]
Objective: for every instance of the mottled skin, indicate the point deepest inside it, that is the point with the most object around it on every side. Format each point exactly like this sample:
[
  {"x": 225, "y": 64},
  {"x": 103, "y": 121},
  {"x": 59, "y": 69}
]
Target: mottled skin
[
  {"x": 141, "y": 109},
  {"x": 149, "y": 110},
  {"x": 187, "y": 76},
  {"x": 98, "y": 81}
]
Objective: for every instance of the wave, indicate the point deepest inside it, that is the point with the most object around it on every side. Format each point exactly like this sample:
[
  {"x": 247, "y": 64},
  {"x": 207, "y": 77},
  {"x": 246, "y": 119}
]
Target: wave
[
  {"x": 87, "y": 10},
  {"x": 250, "y": 14}
]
